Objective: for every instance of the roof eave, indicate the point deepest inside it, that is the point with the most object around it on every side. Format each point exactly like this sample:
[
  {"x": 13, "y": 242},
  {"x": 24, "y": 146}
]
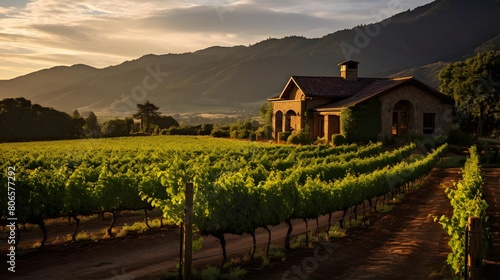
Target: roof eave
[
  {"x": 328, "y": 110},
  {"x": 365, "y": 99},
  {"x": 436, "y": 92},
  {"x": 287, "y": 86}
]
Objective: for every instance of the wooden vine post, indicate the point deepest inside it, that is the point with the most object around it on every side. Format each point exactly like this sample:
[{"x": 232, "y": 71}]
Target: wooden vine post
[
  {"x": 188, "y": 234},
  {"x": 475, "y": 253}
]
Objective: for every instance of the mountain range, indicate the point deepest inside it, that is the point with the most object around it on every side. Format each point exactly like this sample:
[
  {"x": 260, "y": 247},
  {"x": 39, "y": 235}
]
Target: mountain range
[{"x": 416, "y": 42}]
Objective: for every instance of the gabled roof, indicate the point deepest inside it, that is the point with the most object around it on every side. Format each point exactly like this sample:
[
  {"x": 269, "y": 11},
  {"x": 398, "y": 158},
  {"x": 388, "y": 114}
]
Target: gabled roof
[
  {"x": 346, "y": 93},
  {"x": 330, "y": 87},
  {"x": 376, "y": 88}
]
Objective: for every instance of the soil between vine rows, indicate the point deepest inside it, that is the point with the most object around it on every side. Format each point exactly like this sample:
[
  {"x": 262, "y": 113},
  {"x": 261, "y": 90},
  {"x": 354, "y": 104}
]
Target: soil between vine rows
[{"x": 402, "y": 244}]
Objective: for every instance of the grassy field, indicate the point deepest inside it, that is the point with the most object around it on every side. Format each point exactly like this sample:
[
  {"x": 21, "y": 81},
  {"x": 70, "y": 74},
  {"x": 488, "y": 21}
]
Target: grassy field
[{"x": 147, "y": 142}]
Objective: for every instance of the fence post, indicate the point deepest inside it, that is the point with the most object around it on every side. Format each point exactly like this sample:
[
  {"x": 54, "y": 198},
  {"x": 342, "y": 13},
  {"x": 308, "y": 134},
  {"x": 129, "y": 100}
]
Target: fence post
[
  {"x": 181, "y": 257},
  {"x": 466, "y": 253},
  {"x": 475, "y": 254},
  {"x": 188, "y": 233}
]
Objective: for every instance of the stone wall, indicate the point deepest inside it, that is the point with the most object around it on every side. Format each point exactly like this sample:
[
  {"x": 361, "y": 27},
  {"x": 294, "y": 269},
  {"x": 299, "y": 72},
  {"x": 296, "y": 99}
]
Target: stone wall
[
  {"x": 422, "y": 102},
  {"x": 285, "y": 106},
  {"x": 288, "y": 106},
  {"x": 332, "y": 126}
]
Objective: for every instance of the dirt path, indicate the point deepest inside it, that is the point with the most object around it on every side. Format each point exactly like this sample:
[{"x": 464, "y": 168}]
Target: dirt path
[
  {"x": 143, "y": 256},
  {"x": 401, "y": 244}
]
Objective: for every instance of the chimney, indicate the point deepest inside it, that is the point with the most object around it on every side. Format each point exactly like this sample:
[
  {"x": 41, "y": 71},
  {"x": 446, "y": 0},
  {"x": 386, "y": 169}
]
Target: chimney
[{"x": 349, "y": 70}]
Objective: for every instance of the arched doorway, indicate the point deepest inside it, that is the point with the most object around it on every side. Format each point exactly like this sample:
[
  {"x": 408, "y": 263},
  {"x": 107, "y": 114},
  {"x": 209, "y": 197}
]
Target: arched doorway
[
  {"x": 401, "y": 118},
  {"x": 288, "y": 120},
  {"x": 278, "y": 122}
]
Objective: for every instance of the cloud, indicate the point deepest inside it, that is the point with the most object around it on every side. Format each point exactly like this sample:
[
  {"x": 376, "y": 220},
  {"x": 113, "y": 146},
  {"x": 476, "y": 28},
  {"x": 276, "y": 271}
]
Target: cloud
[
  {"x": 241, "y": 19},
  {"x": 44, "y": 33}
]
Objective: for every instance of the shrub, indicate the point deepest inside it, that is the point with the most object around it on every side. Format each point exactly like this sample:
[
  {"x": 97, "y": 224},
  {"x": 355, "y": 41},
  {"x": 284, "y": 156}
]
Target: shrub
[
  {"x": 338, "y": 139},
  {"x": 488, "y": 153},
  {"x": 264, "y": 132},
  {"x": 252, "y": 136},
  {"x": 319, "y": 141},
  {"x": 117, "y": 127},
  {"x": 283, "y": 136},
  {"x": 164, "y": 122},
  {"x": 414, "y": 137},
  {"x": 206, "y": 129},
  {"x": 241, "y": 130},
  {"x": 300, "y": 137},
  {"x": 182, "y": 130},
  {"x": 240, "y": 134},
  {"x": 156, "y": 130},
  {"x": 457, "y": 137},
  {"x": 293, "y": 139},
  {"x": 220, "y": 133},
  {"x": 440, "y": 139}
]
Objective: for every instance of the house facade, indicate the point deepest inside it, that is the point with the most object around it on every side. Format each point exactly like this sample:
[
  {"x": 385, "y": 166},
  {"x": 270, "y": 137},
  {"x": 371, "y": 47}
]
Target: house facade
[{"x": 376, "y": 107}]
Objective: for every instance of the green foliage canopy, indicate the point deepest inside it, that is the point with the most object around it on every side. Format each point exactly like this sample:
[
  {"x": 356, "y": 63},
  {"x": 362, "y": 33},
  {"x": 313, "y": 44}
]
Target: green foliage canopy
[
  {"x": 361, "y": 123},
  {"x": 20, "y": 120},
  {"x": 146, "y": 112},
  {"x": 117, "y": 127},
  {"x": 92, "y": 127},
  {"x": 164, "y": 122},
  {"x": 474, "y": 85}
]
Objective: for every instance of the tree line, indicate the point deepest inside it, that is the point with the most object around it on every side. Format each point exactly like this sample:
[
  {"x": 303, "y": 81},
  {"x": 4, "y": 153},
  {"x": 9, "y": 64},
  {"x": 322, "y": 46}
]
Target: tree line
[{"x": 21, "y": 120}]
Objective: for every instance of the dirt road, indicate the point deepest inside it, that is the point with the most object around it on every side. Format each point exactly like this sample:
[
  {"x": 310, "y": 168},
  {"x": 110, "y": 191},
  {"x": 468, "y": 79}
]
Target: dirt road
[{"x": 402, "y": 244}]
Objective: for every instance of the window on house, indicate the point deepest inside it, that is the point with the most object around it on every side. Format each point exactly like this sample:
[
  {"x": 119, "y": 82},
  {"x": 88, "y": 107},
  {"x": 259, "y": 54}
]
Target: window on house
[
  {"x": 395, "y": 123},
  {"x": 429, "y": 123}
]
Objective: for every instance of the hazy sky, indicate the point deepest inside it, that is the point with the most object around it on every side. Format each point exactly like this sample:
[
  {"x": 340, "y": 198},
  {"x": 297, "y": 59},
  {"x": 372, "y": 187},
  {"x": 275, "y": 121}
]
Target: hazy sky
[{"x": 38, "y": 34}]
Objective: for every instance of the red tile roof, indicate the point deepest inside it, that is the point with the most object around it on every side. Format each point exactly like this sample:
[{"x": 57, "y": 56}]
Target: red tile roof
[
  {"x": 375, "y": 88},
  {"x": 346, "y": 93},
  {"x": 334, "y": 87}
]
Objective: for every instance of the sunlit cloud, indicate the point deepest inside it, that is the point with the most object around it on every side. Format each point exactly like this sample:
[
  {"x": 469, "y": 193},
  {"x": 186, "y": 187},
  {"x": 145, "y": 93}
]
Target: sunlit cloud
[{"x": 39, "y": 34}]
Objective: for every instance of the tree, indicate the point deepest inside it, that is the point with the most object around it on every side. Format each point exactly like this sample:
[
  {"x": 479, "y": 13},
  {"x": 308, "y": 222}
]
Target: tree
[
  {"x": 474, "y": 85},
  {"x": 92, "y": 126},
  {"x": 206, "y": 129},
  {"x": 266, "y": 114},
  {"x": 117, "y": 127},
  {"x": 241, "y": 130},
  {"x": 164, "y": 122},
  {"x": 76, "y": 114},
  {"x": 146, "y": 112},
  {"x": 20, "y": 120},
  {"x": 79, "y": 121}
]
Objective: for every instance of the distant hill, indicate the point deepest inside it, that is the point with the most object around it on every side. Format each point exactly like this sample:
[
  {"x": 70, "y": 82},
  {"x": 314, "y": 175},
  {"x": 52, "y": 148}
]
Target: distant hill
[{"x": 417, "y": 42}]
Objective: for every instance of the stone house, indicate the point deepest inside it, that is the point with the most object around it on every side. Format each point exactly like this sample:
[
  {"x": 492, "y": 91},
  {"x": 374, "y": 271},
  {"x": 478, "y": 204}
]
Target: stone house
[{"x": 360, "y": 108}]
